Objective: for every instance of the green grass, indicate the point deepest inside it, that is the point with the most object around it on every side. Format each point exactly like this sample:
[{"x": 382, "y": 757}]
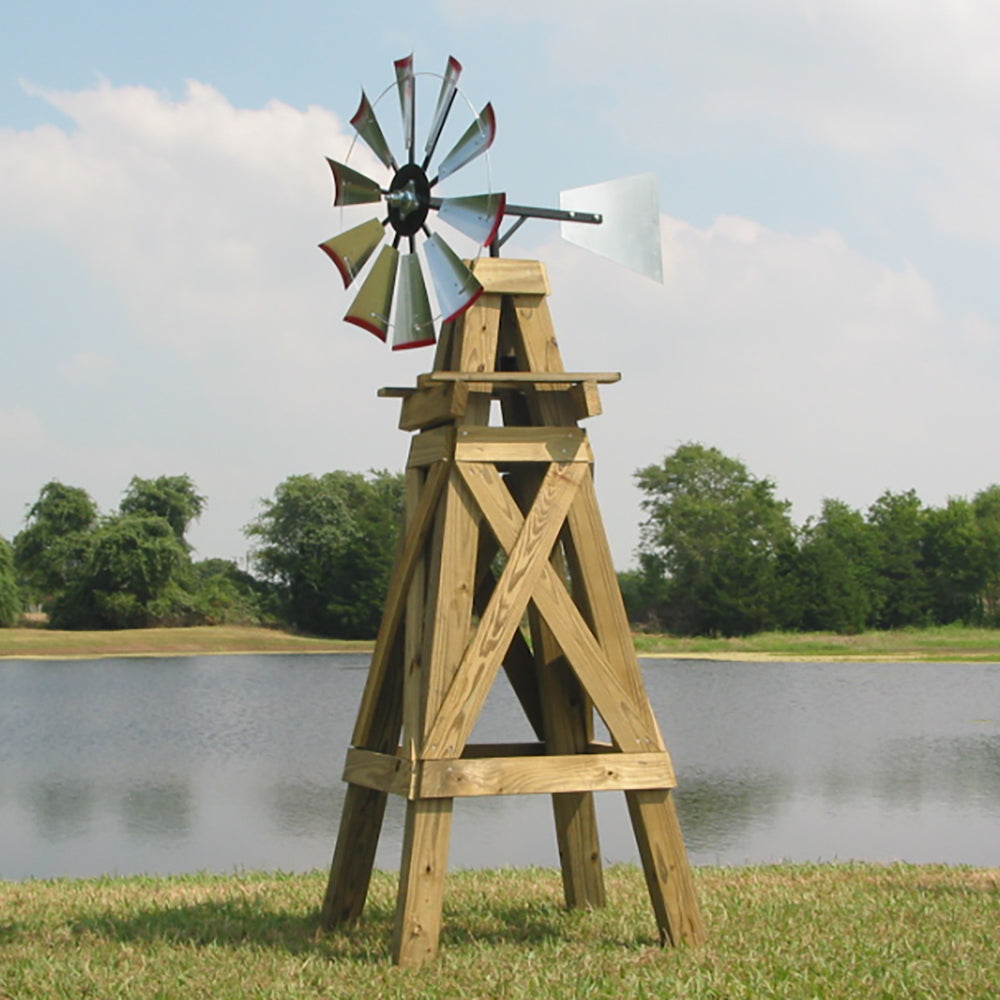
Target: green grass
[
  {"x": 841, "y": 932},
  {"x": 946, "y": 642},
  {"x": 949, "y": 642},
  {"x": 200, "y": 640}
]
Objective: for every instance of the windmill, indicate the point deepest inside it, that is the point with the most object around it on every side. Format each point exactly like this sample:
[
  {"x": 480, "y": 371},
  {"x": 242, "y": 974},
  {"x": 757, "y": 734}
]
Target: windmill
[{"x": 521, "y": 489}]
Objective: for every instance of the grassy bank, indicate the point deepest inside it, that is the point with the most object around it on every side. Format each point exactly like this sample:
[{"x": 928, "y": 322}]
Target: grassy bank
[
  {"x": 34, "y": 642},
  {"x": 947, "y": 643},
  {"x": 839, "y": 932}
]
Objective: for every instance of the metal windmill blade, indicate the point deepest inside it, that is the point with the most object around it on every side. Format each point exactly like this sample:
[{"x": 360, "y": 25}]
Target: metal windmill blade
[{"x": 394, "y": 294}]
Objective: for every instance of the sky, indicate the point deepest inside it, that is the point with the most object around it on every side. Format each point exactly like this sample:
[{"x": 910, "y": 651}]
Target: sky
[{"x": 830, "y": 224}]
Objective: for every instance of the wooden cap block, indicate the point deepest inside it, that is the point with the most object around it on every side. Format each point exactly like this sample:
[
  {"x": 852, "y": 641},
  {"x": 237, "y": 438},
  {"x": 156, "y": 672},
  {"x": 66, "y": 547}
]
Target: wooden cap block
[{"x": 504, "y": 276}]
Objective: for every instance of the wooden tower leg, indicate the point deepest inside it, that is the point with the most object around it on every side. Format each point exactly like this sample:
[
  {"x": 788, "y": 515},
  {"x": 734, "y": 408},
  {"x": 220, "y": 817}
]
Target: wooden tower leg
[
  {"x": 665, "y": 865},
  {"x": 354, "y": 856},
  {"x": 653, "y": 812},
  {"x": 575, "y": 813},
  {"x": 426, "y": 839},
  {"x": 363, "y": 811},
  {"x": 436, "y": 637}
]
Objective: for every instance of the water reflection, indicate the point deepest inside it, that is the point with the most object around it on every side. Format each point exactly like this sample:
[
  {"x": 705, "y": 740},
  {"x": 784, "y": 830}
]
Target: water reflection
[
  {"x": 304, "y": 808},
  {"x": 226, "y": 762},
  {"x": 716, "y": 812},
  {"x": 61, "y": 809},
  {"x": 157, "y": 810}
]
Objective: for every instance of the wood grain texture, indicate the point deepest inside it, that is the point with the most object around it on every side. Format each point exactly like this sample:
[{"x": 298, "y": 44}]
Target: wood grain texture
[
  {"x": 363, "y": 809},
  {"x": 665, "y": 865},
  {"x": 381, "y": 772},
  {"x": 512, "y": 277},
  {"x": 354, "y": 856},
  {"x": 426, "y": 839},
  {"x": 422, "y": 502},
  {"x": 567, "y": 709},
  {"x": 509, "y": 379},
  {"x": 448, "y": 606},
  {"x": 527, "y": 561},
  {"x": 431, "y": 678},
  {"x": 542, "y": 775},
  {"x": 598, "y": 593},
  {"x": 519, "y": 663},
  {"x": 630, "y": 724},
  {"x": 437, "y": 404},
  {"x": 492, "y": 771},
  {"x": 522, "y": 444},
  {"x": 430, "y": 446}
]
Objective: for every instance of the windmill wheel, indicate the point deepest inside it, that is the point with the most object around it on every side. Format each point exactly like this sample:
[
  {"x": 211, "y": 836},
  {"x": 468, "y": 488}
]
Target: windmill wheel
[{"x": 394, "y": 293}]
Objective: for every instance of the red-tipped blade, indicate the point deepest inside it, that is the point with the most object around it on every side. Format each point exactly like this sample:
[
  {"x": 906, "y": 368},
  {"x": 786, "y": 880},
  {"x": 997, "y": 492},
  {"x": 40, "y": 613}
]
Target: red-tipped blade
[
  {"x": 407, "y": 99},
  {"x": 449, "y": 87},
  {"x": 367, "y": 126},
  {"x": 455, "y": 285},
  {"x": 413, "y": 325},
  {"x": 478, "y": 138},
  {"x": 477, "y": 215},
  {"x": 370, "y": 308},
  {"x": 351, "y": 187},
  {"x": 352, "y": 248}
]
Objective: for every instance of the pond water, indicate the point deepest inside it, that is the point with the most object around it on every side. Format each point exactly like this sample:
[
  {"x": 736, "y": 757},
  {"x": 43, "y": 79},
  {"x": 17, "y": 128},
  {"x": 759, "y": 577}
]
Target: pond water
[{"x": 233, "y": 762}]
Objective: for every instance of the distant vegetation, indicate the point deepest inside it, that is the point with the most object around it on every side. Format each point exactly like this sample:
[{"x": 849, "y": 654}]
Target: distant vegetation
[
  {"x": 718, "y": 556},
  {"x": 131, "y": 568},
  {"x": 323, "y": 554}
]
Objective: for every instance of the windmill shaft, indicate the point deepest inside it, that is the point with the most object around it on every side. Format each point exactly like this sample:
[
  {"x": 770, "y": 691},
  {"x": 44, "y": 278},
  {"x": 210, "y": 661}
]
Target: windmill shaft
[{"x": 556, "y": 214}]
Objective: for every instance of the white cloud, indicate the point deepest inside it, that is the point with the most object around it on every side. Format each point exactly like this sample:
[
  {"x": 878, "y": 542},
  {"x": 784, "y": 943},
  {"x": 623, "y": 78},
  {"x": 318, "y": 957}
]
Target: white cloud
[
  {"x": 88, "y": 368},
  {"x": 831, "y": 372},
  {"x": 20, "y": 431},
  {"x": 200, "y": 221},
  {"x": 824, "y": 369},
  {"x": 908, "y": 93}
]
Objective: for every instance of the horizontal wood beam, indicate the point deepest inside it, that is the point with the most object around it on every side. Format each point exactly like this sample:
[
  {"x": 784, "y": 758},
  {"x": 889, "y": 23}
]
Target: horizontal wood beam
[
  {"x": 431, "y": 446},
  {"x": 512, "y": 380},
  {"x": 531, "y": 773},
  {"x": 522, "y": 444}
]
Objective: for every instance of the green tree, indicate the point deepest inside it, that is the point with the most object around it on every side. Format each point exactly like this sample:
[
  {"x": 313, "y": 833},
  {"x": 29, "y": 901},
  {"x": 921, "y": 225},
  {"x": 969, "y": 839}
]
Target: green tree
[
  {"x": 834, "y": 570},
  {"x": 10, "y": 597},
  {"x": 174, "y": 498},
  {"x": 328, "y": 543},
  {"x": 715, "y": 543},
  {"x": 902, "y": 591},
  {"x": 986, "y": 507},
  {"x": 54, "y": 544},
  {"x": 223, "y": 594},
  {"x": 128, "y": 577},
  {"x": 953, "y": 561}
]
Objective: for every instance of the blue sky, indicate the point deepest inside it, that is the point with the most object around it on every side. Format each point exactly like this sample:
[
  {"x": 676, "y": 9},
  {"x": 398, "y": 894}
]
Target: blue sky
[{"x": 830, "y": 223}]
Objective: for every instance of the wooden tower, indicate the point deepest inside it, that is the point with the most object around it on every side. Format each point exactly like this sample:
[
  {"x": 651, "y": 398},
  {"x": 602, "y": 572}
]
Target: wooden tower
[{"x": 523, "y": 490}]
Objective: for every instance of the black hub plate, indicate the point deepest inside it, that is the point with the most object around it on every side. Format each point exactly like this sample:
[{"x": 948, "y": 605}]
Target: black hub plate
[{"x": 410, "y": 223}]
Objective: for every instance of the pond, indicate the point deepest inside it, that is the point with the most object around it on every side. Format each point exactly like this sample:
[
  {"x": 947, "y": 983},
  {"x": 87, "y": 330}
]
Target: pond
[{"x": 221, "y": 763}]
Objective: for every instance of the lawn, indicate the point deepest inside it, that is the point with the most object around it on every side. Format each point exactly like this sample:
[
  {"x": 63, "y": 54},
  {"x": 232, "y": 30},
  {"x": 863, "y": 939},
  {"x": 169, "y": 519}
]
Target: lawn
[{"x": 840, "y": 932}]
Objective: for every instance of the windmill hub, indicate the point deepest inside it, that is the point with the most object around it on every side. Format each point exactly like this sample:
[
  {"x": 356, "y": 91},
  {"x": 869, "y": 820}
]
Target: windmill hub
[{"x": 408, "y": 199}]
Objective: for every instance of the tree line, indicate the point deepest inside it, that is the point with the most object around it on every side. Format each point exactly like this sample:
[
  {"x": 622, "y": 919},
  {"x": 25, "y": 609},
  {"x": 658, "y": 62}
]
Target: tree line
[
  {"x": 718, "y": 555},
  {"x": 323, "y": 550}
]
